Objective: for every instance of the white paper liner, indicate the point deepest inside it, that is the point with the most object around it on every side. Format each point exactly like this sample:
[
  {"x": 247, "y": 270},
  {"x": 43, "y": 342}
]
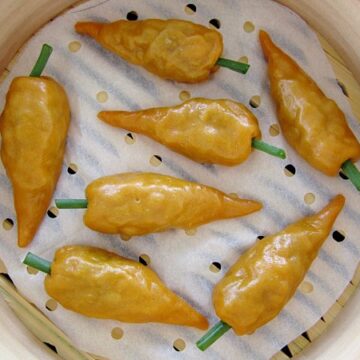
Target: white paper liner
[{"x": 183, "y": 261}]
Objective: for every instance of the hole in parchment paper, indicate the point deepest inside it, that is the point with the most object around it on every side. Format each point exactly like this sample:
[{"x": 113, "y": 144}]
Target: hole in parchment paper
[
  {"x": 4, "y": 75},
  {"x": 338, "y": 235},
  {"x": 285, "y": 350},
  {"x": 3, "y": 269},
  {"x": 130, "y": 138},
  {"x": 31, "y": 270},
  {"x": 260, "y": 237},
  {"x": 117, "y": 333},
  {"x": 274, "y": 130},
  {"x": 125, "y": 237},
  {"x": 306, "y": 287},
  {"x": 102, "y": 96},
  {"x": 244, "y": 59},
  {"x": 343, "y": 176},
  {"x": 255, "y": 101},
  {"x": 289, "y": 170},
  {"x": 132, "y": 15},
  {"x": 155, "y": 160},
  {"x": 51, "y": 305},
  {"x": 233, "y": 195},
  {"x": 190, "y": 232},
  {"x": 72, "y": 169},
  {"x": 98, "y": 357},
  {"x": 309, "y": 198},
  {"x": 190, "y": 9},
  {"x": 74, "y": 46},
  {"x": 51, "y": 347},
  {"x": 306, "y": 336},
  {"x": 215, "y": 23},
  {"x": 53, "y": 212},
  {"x": 179, "y": 345},
  {"x": 215, "y": 267},
  {"x": 144, "y": 259},
  {"x": 184, "y": 95},
  {"x": 8, "y": 278},
  {"x": 8, "y": 224},
  {"x": 248, "y": 26},
  {"x": 342, "y": 87}
]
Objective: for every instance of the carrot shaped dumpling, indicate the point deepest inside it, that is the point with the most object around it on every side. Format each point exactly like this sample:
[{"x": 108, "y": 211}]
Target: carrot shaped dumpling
[
  {"x": 265, "y": 277},
  {"x": 142, "y": 203},
  {"x": 33, "y": 127},
  {"x": 312, "y": 123},
  {"x": 101, "y": 284},
  {"x": 205, "y": 130},
  {"x": 172, "y": 49}
]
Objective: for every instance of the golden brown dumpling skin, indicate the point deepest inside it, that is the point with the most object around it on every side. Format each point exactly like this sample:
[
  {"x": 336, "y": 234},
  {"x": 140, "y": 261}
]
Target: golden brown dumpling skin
[
  {"x": 33, "y": 128},
  {"x": 204, "y": 130},
  {"x": 265, "y": 277},
  {"x": 172, "y": 49},
  {"x": 312, "y": 123},
  {"x": 142, "y": 203},
  {"x": 101, "y": 284}
]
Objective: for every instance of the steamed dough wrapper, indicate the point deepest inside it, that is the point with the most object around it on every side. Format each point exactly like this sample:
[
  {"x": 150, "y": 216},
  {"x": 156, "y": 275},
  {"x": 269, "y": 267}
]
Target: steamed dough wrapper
[
  {"x": 33, "y": 127},
  {"x": 141, "y": 203},
  {"x": 172, "y": 49},
  {"x": 101, "y": 284},
  {"x": 265, "y": 277},
  {"x": 312, "y": 123},
  {"x": 204, "y": 130}
]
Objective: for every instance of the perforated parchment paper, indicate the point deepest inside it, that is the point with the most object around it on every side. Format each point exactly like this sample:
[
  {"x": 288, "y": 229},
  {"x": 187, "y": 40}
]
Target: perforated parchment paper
[{"x": 183, "y": 260}]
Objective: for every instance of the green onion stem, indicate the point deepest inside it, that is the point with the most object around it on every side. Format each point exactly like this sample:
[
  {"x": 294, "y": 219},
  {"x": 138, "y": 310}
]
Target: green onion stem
[
  {"x": 218, "y": 330},
  {"x": 37, "y": 263},
  {"x": 42, "y": 60},
  {"x": 71, "y": 203},
  {"x": 269, "y": 149},
  {"x": 352, "y": 172},
  {"x": 233, "y": 65}
]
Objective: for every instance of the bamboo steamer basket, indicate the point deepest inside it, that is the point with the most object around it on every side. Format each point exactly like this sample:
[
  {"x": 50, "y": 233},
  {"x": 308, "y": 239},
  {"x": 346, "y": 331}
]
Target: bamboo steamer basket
[{"x": 338, "y": 24}]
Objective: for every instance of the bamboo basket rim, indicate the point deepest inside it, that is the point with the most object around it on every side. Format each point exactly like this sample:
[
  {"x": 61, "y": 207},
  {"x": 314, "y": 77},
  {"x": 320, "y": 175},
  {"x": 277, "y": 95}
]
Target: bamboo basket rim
[{"x": 339, "y": 23}]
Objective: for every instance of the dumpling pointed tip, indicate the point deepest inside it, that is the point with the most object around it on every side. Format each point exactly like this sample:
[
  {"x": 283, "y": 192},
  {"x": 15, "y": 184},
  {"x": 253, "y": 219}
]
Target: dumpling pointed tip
[
  {"x": 88, "y": 28},
  {"x": 182, "y": 313},
  {"x": 203, "y": 323},
  {"x": 22, "y": 244},
  {"x": 24, "y": 238},
  {"x": 339, "y": 199},
  {"x": 102, "y": 115},
  {"x": 255, "y": 205},
  {"x": 239, "y": 207},
  {"x": 337, "y": 203},
  {"x": 129, "y": 120},
  {"x": 197, "y": 320},
  {"x": 263, "y": 34},
  {"x": 330, "y": 212},
  {"x": 110, "y": 117},
  {"x": 266, "y": 43}
]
